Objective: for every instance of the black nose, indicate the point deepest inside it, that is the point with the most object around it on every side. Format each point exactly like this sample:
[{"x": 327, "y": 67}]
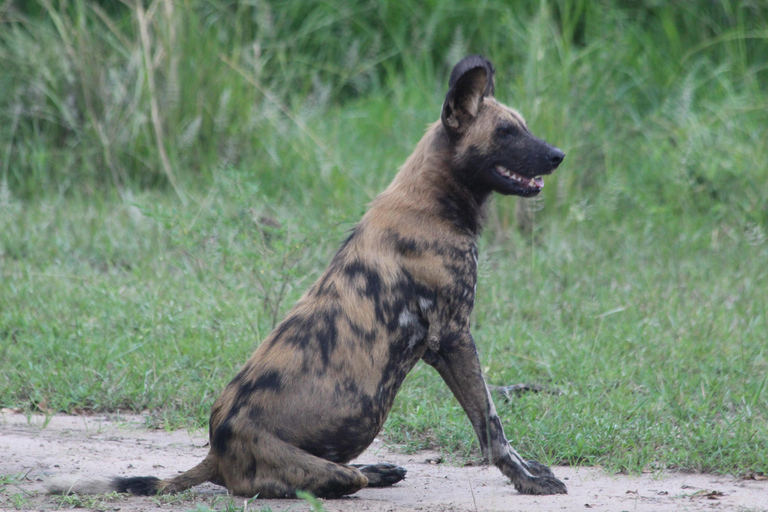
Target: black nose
[{"x": 555, "y": 156}]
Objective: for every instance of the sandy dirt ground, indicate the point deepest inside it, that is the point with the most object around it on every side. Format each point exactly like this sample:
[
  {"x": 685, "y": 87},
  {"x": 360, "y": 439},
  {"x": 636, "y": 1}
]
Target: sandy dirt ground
[{"x": 34, "y": 449}]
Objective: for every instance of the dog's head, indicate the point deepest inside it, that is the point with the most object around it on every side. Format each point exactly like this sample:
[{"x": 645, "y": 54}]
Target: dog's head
[{"x": 493, "y": 148}]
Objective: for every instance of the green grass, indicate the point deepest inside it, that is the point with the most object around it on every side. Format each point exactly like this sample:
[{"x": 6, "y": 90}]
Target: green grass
[
  {"x": 129, "y": 281},
  {"x": 11, "y": 494},
  {"x": 655, "y": 332}
]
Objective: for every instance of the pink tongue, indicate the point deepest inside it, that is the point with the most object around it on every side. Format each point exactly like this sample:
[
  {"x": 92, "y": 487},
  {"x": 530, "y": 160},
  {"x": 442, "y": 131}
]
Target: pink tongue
[{"x": 539, "y": 182}]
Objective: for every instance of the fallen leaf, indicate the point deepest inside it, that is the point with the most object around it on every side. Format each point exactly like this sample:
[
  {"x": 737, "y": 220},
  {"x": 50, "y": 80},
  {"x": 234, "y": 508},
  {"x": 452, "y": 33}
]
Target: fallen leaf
[
  {"x": 710, "y": 495},
  {"x": 714, "y": 495}
]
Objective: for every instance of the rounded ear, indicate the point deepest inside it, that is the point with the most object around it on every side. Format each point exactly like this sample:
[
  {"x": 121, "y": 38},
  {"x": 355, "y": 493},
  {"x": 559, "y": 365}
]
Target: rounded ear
[{"x": 471, "y": 81}]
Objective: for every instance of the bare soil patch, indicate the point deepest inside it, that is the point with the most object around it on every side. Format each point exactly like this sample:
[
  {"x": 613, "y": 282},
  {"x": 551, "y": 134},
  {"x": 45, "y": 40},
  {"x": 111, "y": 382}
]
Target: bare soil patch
[{"x": 39, "y": 447}]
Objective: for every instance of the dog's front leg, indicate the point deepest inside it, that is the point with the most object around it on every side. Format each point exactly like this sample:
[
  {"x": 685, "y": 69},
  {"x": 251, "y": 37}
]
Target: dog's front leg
[{"x": 459, "y": 366}]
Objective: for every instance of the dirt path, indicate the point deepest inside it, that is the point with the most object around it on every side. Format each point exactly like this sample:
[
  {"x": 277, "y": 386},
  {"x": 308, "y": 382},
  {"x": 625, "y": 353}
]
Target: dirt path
[{"x": 102, "y": 446}]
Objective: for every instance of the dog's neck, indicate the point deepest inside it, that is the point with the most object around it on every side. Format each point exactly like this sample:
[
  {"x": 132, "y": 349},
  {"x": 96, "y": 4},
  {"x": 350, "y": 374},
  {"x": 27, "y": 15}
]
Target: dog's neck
[
  {"x": 465, "y": 209},
  {"x": 429, "y": 184}
]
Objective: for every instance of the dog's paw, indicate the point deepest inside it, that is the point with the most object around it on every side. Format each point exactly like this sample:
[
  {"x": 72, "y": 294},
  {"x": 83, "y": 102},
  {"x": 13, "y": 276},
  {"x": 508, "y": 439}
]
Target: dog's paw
[
  {"x": 381, "y": 475},
  {"x": 538, "y": 469},
  {"x": 541, "y": 485}
]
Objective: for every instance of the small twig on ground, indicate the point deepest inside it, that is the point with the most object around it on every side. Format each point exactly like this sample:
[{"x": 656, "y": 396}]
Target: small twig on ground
[{"x": 515, "y": 390}]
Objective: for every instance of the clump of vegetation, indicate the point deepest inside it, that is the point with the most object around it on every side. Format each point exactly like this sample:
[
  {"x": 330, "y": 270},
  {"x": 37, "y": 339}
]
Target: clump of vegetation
[{"x": 663, "y": 102}]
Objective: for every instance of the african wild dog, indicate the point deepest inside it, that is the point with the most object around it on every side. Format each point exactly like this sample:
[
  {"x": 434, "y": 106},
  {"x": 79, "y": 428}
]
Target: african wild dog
[{"x": 316, "y": 392}]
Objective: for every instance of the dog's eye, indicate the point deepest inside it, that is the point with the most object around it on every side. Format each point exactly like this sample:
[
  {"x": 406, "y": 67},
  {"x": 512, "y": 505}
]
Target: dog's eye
[{"x": 506, "y": 129}]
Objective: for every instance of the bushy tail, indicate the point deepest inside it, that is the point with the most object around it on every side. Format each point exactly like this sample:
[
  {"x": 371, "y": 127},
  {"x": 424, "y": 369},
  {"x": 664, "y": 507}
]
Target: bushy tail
[{"x": 137, "y": 485}]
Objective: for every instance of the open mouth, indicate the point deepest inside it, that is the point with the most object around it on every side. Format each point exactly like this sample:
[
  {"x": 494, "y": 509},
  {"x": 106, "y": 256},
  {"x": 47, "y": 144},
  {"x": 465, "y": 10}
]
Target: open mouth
[{"x": 536, "y": 183}]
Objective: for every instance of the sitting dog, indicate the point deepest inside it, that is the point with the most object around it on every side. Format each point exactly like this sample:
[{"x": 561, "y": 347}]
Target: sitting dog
[{"x": 316, "y": 392}]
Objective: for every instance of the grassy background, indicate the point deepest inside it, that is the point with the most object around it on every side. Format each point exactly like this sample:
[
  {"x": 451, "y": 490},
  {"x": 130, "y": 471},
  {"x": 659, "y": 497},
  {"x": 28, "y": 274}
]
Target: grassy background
[{"x": 176, "y": 174}]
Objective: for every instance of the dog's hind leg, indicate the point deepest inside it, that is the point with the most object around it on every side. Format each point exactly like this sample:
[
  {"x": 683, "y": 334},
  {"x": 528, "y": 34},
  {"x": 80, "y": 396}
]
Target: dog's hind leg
[
  {"x": 273, "y": 468},
  {"x": 460, "y": 369}
]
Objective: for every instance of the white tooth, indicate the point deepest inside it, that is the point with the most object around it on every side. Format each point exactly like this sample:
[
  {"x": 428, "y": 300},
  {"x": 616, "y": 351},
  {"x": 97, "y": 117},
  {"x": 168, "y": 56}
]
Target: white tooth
[{"x": 532, "y": 183}]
